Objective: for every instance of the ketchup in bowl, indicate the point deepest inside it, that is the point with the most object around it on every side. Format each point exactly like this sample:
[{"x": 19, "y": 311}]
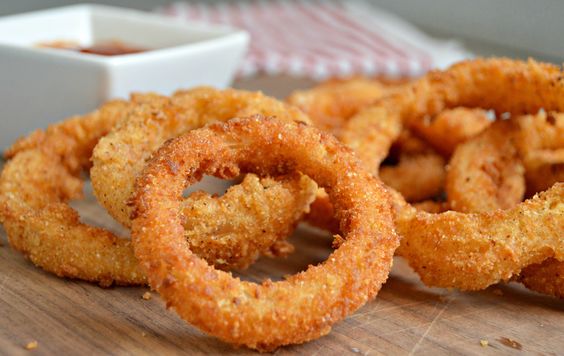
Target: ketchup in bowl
[{"x": 107, "y": 48}]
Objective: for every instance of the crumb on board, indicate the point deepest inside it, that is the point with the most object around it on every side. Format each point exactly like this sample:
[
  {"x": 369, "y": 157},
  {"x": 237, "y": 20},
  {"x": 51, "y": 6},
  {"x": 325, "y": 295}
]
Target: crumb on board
[
  {"x": 147, "y": 296},
  {"x": 498, "y": 292},
  {"x": 510, "y": 343},
  {"x": 356, "y": 350},
  {"x": 484, "y": 343},
  {"x": 338, "y": 240},
  {"x": 31, "y": 345},
  {"x": 143, "y": 334}
]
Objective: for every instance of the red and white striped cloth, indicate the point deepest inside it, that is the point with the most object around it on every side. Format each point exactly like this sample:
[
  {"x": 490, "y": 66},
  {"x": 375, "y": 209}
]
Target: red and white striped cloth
[{"x": 321, "y": 39}]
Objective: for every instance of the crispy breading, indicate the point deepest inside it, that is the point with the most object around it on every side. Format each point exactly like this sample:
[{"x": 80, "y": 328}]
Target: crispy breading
[
  {"x": 486, "y": 173},
  {"x": 271, "y": 314},
  {"x": 44, "y": 173}
]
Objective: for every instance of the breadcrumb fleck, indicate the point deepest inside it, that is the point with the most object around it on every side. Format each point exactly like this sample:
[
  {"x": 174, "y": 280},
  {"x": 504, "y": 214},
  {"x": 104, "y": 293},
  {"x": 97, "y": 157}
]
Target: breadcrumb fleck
[
  {"x": 147, "y": 296},
  {"x": 510, "y": 343},
  {"x": 31, "y": 345},
  {"x": 484, "y": 343}
]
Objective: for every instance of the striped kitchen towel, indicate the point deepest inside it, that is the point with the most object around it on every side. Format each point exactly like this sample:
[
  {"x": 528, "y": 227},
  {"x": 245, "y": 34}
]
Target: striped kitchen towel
[{"x": 321, "y": 39}]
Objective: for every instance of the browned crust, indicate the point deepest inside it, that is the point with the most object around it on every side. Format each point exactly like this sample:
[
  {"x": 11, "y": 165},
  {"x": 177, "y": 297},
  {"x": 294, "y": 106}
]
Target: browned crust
[
  {"x": 332, "y": 103},
  {"x": 417, "y": 177},
  {"x": 486, "y": 173},
  {"x": 35, "y": 186},
  {"x": 506, "y": 86},
  {"x": 471, "y": 251},
  {"x": 121, "y": 155},
  {"x": 44, "y": 173},
  {"x": 265, "y": 316}
]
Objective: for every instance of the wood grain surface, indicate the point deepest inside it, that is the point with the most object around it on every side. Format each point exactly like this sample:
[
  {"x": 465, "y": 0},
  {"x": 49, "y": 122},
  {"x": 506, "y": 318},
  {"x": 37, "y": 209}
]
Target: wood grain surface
[{"x": 69, "y": 317}]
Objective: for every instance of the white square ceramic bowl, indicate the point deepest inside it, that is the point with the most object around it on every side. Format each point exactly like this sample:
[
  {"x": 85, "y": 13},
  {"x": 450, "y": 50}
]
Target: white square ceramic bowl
[{"x": 41, "y": 85}]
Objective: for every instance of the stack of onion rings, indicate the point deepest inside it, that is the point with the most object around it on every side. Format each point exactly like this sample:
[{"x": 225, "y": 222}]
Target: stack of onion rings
[
  {"x": 246, "y": 224},
  {"x": 481, "y": 249},
  {"x": 44, "y": 173},
  {"x": 337, "y": 104},
  {"x": 478, "y": 249},
  {"x": 462, "y": 225},
  {"x": 487, "y": 173}
]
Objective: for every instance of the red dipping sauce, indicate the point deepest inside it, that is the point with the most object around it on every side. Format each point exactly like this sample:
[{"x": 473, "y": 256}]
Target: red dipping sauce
[{"x": 107, "y": 48}]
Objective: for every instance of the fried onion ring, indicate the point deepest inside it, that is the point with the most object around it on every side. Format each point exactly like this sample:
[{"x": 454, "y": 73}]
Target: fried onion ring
[
  {"x": 120, "y": 156},
  {"x": 503, "y": 85},
  {"x": 42, "y": 175},
  {"x": 487, "y": 173},
  {"x": 477, "y": 254},
  {"x": 420, "y": 172},
  {"x": 246, "y": 222},
  {"x": 477, "y": 249},
  {"x": 471, "y": 251},
  {"x": 452, "y": 127},
  {"x": 332, "y": 103},
  {"x": 301, "y": 307},
  {"x": 416, "y": 177}
]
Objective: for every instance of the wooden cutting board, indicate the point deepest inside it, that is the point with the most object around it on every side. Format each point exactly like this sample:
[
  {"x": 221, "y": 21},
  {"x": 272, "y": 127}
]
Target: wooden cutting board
[
  {"x": 73, "y": 317},
  {"x": 68, "y": 317}
]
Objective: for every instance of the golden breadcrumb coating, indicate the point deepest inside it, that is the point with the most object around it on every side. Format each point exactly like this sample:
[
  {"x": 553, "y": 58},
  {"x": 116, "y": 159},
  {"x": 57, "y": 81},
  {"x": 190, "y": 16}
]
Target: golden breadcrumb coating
[
  {"x": 44, "y": 173},
  {"x": 486, "y": 173},
  {"x": 120, "y": 156},
  {"x": 416, "y": 177},
  {"x": 249, "y": 220},
  {"x": 452, "y": 127},
  {"x": 471, "y": 251},
  {"x": 271, "y": 314},
  {"x": 332, "y": 103}
]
